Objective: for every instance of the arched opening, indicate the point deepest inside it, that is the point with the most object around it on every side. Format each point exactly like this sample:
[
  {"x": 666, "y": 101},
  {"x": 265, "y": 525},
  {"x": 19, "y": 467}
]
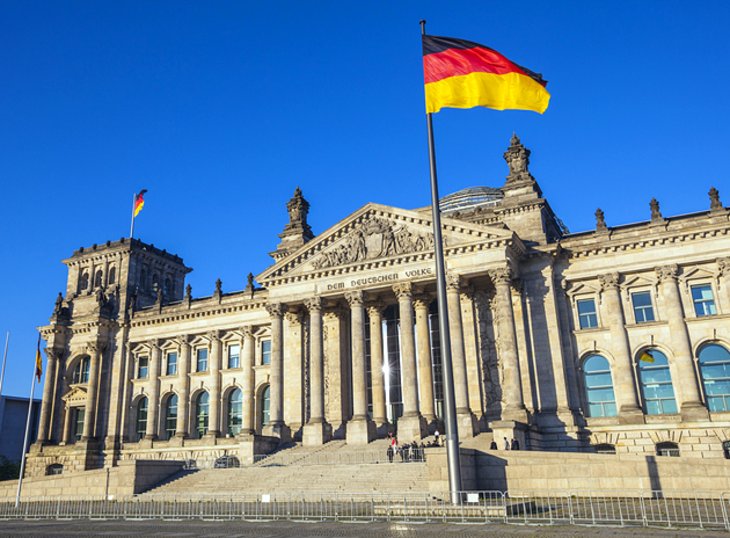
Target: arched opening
[
  {"x": 54, "y": 469},
  {"x": 141, "y": 422},
  {"x": 600, "y": 399},
  {"x": 714, "y": 362},
  {"x": 655, "y": 379},
  {"x": 265, "y": 403},
  {"x": 168, "y": 287},
  {"x": 235, "y": 412},
  {"x": 605, "y": 448},
  {"x": 80, "y": 372},
  {"x": 83, "y": 280},
  {"x": 667, "y": 448},
  {"x": 170, "y": 416},
  {"x": 112, "y": 275},
  {"x": 201, "y": 413},
  {"x": 98, "y": 279}
]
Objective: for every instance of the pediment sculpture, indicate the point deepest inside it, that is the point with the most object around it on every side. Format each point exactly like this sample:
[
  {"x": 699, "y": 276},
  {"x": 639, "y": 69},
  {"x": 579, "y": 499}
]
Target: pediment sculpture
[{"x": 375, "y": 238}]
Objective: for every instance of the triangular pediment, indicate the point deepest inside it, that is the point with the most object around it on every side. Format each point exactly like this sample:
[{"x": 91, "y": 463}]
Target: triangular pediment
[
  {"x": 378, "y": 233},
  {"x": 76, "y": 395}
]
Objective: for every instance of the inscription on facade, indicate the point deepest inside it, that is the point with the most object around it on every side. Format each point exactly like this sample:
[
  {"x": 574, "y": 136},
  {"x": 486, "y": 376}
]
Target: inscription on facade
[{"x": 379, "y": 279}]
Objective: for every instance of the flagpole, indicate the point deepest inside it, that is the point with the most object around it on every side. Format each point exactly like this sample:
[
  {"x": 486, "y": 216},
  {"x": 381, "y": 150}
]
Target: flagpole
[
  {"x": 452, "y": 431},
  {"x": 131, "y": 227},
  {"x": 5, "y": 358},
  {"x": 27, "y": 429}
]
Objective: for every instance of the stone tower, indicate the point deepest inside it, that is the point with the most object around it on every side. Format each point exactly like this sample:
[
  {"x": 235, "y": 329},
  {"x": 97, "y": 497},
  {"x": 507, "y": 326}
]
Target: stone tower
[{"x": 297, "y": 231}]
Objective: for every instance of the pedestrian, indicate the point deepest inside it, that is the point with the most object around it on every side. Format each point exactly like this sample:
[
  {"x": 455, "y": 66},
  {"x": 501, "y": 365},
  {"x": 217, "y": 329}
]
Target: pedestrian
[
  {"x": 422, "y": 451},
  {"x": 514, "y": 445},
  {"x": 404, "y": 452},
  {"x": 414, "y": 452},
  {"x": 493, "y": 445},
  {"x": 506, "y": 444},
  {"x": 390, "y": 452},
  {"x": 436, "y": 437}
]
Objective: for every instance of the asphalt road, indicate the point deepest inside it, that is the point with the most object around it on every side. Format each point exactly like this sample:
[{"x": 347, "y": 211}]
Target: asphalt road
[{"x": 281, "y": 529}]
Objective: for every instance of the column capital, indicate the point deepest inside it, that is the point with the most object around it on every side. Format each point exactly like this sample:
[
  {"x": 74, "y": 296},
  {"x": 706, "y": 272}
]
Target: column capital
[
  {"x": 665, "y": 273},
  {"x": 375, "y": 308},
  {"x": 213, "y": 336},
  {"x": 723, "y": 266},
  {"x": 275, "y": 310},
  {"x": 182, "y": 340},
  {"x": 54, "y": 353},
  {"x": 154, "y": 344},
  {"x": 294, "y": 315},
  {"x": 93, "y": 348},
  {"x": 609, "y": 281},
  {"x": 314, "y": 304},
  {"x": 501, "y": 275},
  {"x": 355, "y": 298},
  {"x": 247, "y": 331},
  {"x": 453, "y": 281},
  {"x": 403, "y": 290},
  {"x": 421, "y": 301}
]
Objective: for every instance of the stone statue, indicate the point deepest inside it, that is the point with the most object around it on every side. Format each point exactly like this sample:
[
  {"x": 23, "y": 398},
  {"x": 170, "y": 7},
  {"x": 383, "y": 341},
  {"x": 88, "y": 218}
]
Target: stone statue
[
  {"x": 518, "y": 159},
  {"x": 249, "y": 281},
  {"x": 188, "y": 291},
  {"x": 656, "y": 215},
  {"x": 715, "y": 203},
  {"x": 59, "y": 303},
  {"x": 600, "y": 221},
  {"x": 218, "y": 287}
]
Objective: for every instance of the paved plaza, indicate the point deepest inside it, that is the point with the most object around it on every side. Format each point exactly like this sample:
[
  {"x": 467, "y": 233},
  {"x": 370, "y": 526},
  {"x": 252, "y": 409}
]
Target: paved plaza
[{"x": 280, "y": 529}]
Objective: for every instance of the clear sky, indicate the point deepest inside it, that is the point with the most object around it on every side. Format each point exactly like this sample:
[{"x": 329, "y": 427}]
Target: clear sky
[{"x": 220, "y": 109}]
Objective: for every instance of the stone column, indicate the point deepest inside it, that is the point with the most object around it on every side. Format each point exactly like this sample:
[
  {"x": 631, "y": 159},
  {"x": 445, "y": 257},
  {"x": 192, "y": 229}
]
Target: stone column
[
  {"x": 95, "y": 351},
  {"x": 247, "y": 385},
  {"x": 153, "y": 402},
  {"x": 411, "y": 425},
  {"x": 514, "y": 406},
  {"x": 458, "y": 357},
  {"x": 723, "y": 274},
  {"x": 181, "y": 428},
  {"x": 276, "y": 426},
  {"x": 315, "y": 430},
  {"x": 360, "y": 428},
  {"x": 44, "y": 428},
  {"x": 685, "y": 386},
  {"x": 214, "y": 427},
  {"x": 623, "y": 371},
  {"x": 377, "y": 382},
  {"x": 66, "y": 433},
  {"x": 425, "y": 373}
]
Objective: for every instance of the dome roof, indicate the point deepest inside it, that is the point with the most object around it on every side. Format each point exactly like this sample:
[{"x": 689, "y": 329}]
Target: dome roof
[{"x": 470, "y": 198}]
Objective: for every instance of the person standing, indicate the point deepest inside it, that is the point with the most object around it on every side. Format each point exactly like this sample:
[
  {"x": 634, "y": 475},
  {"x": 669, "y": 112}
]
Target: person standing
[
  {"x": 437, "y": 437},
  {"x": 506, "y": 444},
  {"x": 514, "y": 445}
]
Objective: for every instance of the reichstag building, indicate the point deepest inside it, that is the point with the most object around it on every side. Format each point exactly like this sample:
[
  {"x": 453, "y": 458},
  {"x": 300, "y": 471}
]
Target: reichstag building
[{"x": 611, "y": 340}]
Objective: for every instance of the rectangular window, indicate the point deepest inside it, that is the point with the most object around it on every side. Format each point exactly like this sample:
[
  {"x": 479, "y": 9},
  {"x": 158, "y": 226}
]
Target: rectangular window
[
  {"x": 171, "y": 364},
  {"x": 266, "y": 352},
  {"x": 78, "y": 424},
  {"x": 703, "y": 300},
  {"x": 234, "y": 356},
  {"x": 142, "y": 367},
  {"x": 201, "y": 356},
  {"x": 587, "y": 317},
  {"x": 643, "y": 310}
]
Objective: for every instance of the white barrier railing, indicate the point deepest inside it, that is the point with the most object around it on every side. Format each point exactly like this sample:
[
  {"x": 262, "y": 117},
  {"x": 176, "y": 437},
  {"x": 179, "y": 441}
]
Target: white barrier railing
[{"x": 650, "y": 508}]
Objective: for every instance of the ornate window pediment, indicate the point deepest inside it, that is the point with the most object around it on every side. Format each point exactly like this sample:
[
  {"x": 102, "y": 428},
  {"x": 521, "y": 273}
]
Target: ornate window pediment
[
  {"x": 375, "y": 233},
  {"x": 77, "y": 395}
]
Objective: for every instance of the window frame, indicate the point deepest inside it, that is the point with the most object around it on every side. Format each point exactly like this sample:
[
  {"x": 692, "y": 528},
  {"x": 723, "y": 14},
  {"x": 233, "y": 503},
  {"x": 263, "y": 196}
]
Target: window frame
[
  {"x": 198, "y": 350},
  {"x": 265, "y": 342},
  {"x": 80, "y": 373},
  {"x": 202, "y": 420},
  {"x": 579, "y": 316},
  {"x": 230, "y": 427},
  {"x": 586, "y": 388},
  {"x": 703, "y": 302},
  {"x": 663, "y": 449},
  {"x": 651, "y": 306},
  {"x": 167, "y": 363},
  {"x": 79, "y": 419},
  {"x": 704, "y": 381},
  {"x": 229, "y": 348},
  {"x": 171, "y": 420},
  {"x": 146, "y": 375},
  {"x": 643, "y": 385},
  {"x": 138, "y": 420}
]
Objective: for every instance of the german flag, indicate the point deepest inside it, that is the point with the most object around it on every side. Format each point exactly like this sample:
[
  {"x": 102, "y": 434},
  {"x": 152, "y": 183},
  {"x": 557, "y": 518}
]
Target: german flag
[
  {"x": 38, "y": 361},
  {"x": 646, "y": 356},
  {"x": 464, "y": 74},
  {"x": 138, "y": 202}
]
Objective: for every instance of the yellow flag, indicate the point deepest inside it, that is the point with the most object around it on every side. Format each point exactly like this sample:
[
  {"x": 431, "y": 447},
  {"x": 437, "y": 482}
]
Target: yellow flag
[
  {"x": 38, "y": 361},
  {"x": 646, "y": 357}
]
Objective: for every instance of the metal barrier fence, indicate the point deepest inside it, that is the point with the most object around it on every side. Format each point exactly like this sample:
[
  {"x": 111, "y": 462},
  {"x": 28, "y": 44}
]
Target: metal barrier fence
[{"x": 651, "y": 508}]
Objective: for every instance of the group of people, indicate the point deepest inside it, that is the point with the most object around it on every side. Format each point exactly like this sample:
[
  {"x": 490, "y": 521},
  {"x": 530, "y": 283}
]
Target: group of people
[
  {"x": 407, "y": 452},
  {"x": 514, "y": 444}
]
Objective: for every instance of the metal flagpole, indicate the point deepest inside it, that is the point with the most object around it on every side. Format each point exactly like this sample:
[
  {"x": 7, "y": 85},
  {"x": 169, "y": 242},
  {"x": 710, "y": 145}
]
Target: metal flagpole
[
  {"x": 5, "y": 358},
  {"x": 27, "y": 429},
  {"x": 452, "y": 431},
  {"x": 131, "y": 228}
]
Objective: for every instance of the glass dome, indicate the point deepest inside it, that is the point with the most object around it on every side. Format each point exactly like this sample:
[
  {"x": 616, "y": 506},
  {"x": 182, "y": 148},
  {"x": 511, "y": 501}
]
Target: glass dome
[{"x": 470, "y": 198}]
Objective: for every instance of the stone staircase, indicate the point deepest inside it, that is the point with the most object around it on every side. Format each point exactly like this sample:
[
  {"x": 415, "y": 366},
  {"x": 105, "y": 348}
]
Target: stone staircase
[{"x": 303, "y": 472}]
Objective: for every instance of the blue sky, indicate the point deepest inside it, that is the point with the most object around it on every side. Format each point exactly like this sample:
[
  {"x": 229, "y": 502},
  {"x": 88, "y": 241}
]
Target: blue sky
[{"x": 220, "y": 109}]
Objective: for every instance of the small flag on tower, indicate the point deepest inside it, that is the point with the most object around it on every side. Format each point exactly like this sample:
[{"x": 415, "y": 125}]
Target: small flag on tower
[
  {"x": 138, "y": 202},
  {"x": 464, "y": 74},
  {"x": 38, "y": 360}
]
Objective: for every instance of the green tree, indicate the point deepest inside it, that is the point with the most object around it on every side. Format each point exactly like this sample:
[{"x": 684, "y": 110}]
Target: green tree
[{"x": 9, "y": 470}]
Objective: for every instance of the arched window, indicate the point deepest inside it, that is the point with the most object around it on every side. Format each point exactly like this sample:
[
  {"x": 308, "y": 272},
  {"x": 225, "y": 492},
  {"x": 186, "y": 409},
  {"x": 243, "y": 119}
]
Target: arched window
[
  {"x": 112, "y": 275},
  {"x": 714, "y": 362},
  {"x": 143, "y": 278},
  {"x": 667, "y": 448},
  {"x": 155, "y": 281},
  {"x": 81, "y": 371},
  {"x": 235, "y": 412},
  {"x": 168, "y": 287},
  {"x": 265, "y": 401},
  {"x": 605, "y": 448},
  {"x": 171, "y": 416},
  {"x": 84, "y": 281},
  {"x": 54, "y": 469},
  {"x": 141, "y": 425},
  {"x": 655, "y": 379},
  {"x": 201, "y": 414},
  {"x": 98, "y": 279},
  {"x": 599, "y": 387}
]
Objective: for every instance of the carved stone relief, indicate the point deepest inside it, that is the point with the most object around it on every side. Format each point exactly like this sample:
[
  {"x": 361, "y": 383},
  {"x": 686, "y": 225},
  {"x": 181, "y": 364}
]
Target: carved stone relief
[
  {"x": 488, "y": 364},
  {"x": 374, "y": 238}
]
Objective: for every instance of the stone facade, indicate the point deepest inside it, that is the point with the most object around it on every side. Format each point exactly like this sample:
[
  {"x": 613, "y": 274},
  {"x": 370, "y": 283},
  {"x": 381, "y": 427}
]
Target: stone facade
[{"x": 340, "y": 340}]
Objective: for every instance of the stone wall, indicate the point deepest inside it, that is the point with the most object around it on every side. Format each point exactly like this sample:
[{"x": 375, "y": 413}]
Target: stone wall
[
  {"x": 129, "y": 478},
  {"x": 522, "y": 472}
]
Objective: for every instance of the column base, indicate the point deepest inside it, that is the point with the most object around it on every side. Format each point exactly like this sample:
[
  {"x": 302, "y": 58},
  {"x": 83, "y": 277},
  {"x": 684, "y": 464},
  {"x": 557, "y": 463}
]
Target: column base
[
  {"x": 694, "y": 411},
  {"x": 515, "y": 414},
  {"x": 466, "y": 422},
  {"x": 411, "y": 428},
  {"x": 509, "y": 429},
  {"x": 279, "y": 430},
  {"x": 360, "y": 431},
  {"x": 316, "y": 433}
]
